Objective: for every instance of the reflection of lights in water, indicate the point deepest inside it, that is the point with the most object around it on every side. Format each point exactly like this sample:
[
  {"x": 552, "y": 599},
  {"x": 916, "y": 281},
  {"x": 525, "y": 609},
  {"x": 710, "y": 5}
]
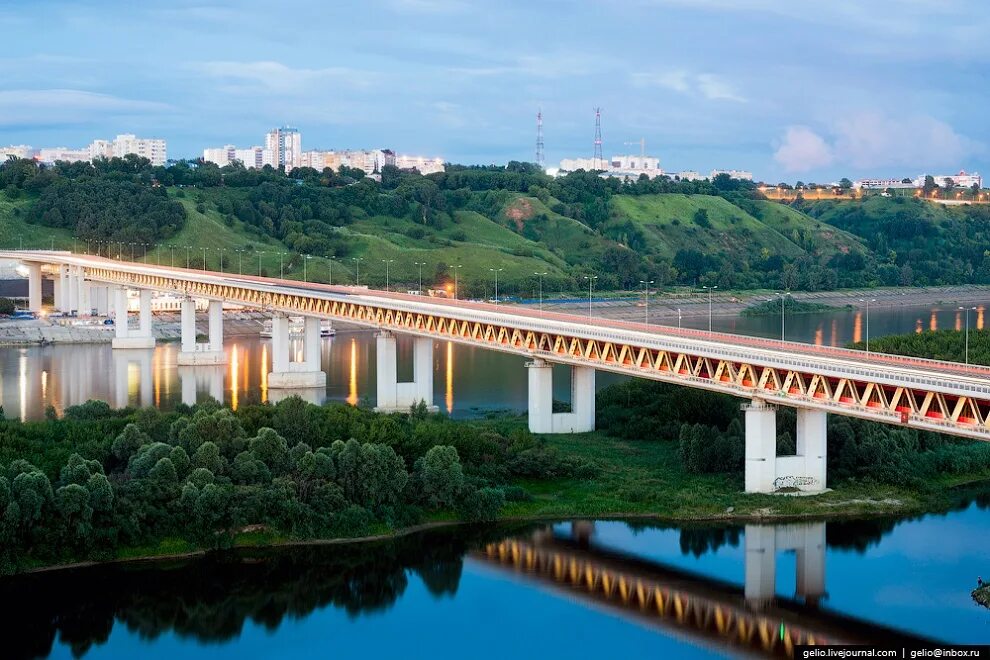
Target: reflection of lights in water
[
  {"x": 156, "y": 370},
  {"x": 352, "y": 393},
  {"x": 858, "y": 327},
  {"x": 44, "y": 385},
  {"x": 22, "y": 384},
  {"x": 835, "y": 332},
  {"x": 233, "y": 377},
  {"x": 819, "y": 335},
  {"x": 264, "y": 373},
  {"x": 917, "y": 327},
  {"x": 133, "y": 381},
  {"x": 958, "y": 321},
  {"x": 979, "y": 317},
  {"x": 450, "y": 377},
  {"x": 933, "y": 322}
]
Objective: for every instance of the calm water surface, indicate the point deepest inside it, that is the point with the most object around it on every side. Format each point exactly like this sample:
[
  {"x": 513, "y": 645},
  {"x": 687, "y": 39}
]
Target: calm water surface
[
  {"x": 467, "y": 380},
  {"x": 464, "y": 594}
]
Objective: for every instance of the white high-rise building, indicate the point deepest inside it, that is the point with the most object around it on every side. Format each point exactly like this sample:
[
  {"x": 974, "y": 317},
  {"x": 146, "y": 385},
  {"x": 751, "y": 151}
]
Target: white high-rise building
[
  {"x": 742, "y": 175},
  {"x": 151, "y": 148},
  {"x": 220, "y": 155},
  {"x": 63, "y": 154},
  {"x": 961, "y": 180},
  {"x": 255, "y": 157},
  {"x": 286, "y": 145}
]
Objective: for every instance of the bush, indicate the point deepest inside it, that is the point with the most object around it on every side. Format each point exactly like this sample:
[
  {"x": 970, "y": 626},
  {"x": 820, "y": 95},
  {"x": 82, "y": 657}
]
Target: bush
[{"x": 482, "y": 505}]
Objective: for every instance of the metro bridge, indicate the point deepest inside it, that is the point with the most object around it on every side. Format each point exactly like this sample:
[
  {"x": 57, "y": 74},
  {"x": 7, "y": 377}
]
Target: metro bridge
[{"x": 932, "y": 395}]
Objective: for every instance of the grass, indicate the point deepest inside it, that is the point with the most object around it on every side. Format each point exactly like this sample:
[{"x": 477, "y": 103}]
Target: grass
[
  {"x": 16, "y": 232},
  {"x": 647, "y": 478}
]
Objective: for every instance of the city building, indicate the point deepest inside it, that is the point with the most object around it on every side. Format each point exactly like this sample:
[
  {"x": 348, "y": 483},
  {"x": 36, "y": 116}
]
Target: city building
[
  {"x": 961, "y": 180},
  {"x": 742, "y": 175},
  {"x": 17, "y": 151},
  {"x": 687, "y": 175},
  {"x": 285, "y": 143},
  {"x": 644, "y": 164},
  {"x": 575, "y": 164},
  {"x": 154, "y": 149},
  {"x": 882, "y": 184},
  {"x": 220, "y": 155},
  {"x": 321, "y": 160},
  {"x": 419, "y": 163}
]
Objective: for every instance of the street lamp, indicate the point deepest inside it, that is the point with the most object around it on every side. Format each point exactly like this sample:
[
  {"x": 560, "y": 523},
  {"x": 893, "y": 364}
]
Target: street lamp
[
  {"x": 541, "y": 275},
  {"x": 357, "y": 270},
  {"x": 678, "y": 318},
  {"x": 496, "y": 271},
  {"x": 420, "y": 264},
  {"x": 171, "y": 256},
  {"x": 305, "y": 271},
  {"x": 387, "y": 262},
  {"x": 330, "y": 268},
  {"x": 711, "y": 290},
  {"x": 188, "y": 248},
  {"x": 204, "y": 258},
  {"x": 781, "y": 295},
  {"x": 221, "y": 259},
  {"x": 646, "y": 295},
  {"x": 281, "y": 265},
  {"x": 967, "y": 331},
  {"x": 240, "y": 256},
  {"x": 457, "y": 269},
  {"x": 591, "y": 285},
  {"x": 867, "y": 301}
]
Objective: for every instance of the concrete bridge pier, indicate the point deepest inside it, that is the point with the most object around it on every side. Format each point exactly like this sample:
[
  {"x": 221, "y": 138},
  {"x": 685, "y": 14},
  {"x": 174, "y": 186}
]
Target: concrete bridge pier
[
  {"x": 394, "y": 396},
  {"x": 542, "y": 418},
  {"x": 210, "y": 352},
  {"x": 302, "y": 374},
  {"x": 85, "y": 306},
  {"x": 60, "y": 289},
  {"x": 101, "y": 299},
  {"x": 125, "y": 336},
  {"x": 763, "y": 542},
  {"x": 193, "y": 379},
  {"x": 765, "y": 471},
  {"x": 34, "y": 287}
]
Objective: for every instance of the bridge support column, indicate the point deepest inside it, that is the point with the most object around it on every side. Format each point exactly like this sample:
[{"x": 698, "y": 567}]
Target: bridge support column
[
  {"x": 394, "y": 396},
  {"x": 542, "y": 418},
  {"x": 765, "y": 471},
  {"x": 73, "y": 295},
  {"x": 763, "y": 542},
  {"x": 85, "y": 299},
  {"x": 101, "y": 300},
  {"x": 59, "y": 291},
  {"x": 304, "y": 374},
  {"x": 34, "y": 287},
  {"x": 125, "y": 337},
  {"x": 193, "y": 352}
]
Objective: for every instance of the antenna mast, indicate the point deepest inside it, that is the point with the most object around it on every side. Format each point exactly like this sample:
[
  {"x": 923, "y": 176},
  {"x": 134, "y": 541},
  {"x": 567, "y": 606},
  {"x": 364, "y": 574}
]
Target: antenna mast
[
  {"x": 540, "y": 157},
  {"x": 598, "y": 161}
]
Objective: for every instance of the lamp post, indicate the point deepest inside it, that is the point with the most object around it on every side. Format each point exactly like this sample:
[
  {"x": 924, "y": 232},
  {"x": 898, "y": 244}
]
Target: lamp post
[
  {"x": 678, "y": 318},
  {"x": 305, "y": 271},
  {"x": 420, "y": 264},
  {"x": 132, "y": 249},
  {"x": 967, "y": 331},
  {"x": 867, "y": 301},
  {"x": 281, "y": 265},
  {"x": 259, "y": 263},
  {"x": 781, "y": 296},
  {"x": 457, "y": 269},
  {"x": 496, "y": 271},
  {"x": 330, "y": 268},
  {"x": 221, "y": 259},
  {"x": 541, "y": 275},
  {"x": 646, "y": 296},
  {"x": 240, "y": 263},
  {"x": 387, "y": 262},
  {"x": 711, "y": 291},
  {"x": 357, "y": 270},
  {"x": 591, "y": 285}
]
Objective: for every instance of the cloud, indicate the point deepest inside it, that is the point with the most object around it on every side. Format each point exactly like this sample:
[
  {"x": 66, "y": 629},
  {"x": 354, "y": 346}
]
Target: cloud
[
  {"x": 41, "y": 107},
  {"x": 277, "y": 78},
  {"x": 802, "y": 149},
  {"x": 870, "y": 140},
  {"x": 707, "y": 85}
]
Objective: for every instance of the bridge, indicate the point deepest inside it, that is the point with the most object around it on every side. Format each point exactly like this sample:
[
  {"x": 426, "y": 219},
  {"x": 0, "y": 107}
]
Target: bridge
[
  {"x": 702, "y": 609},
  {"x": 945, "y": 397}
]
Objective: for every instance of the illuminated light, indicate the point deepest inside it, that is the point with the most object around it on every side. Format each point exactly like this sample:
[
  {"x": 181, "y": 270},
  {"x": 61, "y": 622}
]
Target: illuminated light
[
  {"x": 918, "y": 327},
  {"x": 979, "y": 317},
  {"x": 44, "y": 385},
  {"x": 819, "y": 336},
  {"x": 933, "y": 322},
  {"x": 958, "y": 321},
  {"x": 835, "y": 333},
  {"x": 352, "y": 389},
  {"x": 22, "y": 384},
  {"x": 156, "y": 370},
  {"x": 450, "y": 378},
  {"x": 22, "y": 270},
  {"x": 858, "y": 327},
  {"x": 233, "y": 377},
  {"x": 264, "y": 373}
]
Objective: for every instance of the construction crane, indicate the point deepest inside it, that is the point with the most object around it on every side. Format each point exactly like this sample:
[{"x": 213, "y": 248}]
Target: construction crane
[{"x": 642, "y": 146}]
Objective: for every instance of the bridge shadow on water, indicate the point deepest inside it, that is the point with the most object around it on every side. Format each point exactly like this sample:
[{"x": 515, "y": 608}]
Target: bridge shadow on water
[{"x": 210, "y": 599}]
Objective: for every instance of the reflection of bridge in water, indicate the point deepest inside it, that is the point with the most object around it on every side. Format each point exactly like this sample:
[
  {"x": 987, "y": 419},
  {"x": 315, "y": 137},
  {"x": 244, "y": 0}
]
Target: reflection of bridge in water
[{"x": 708, "y": 610}]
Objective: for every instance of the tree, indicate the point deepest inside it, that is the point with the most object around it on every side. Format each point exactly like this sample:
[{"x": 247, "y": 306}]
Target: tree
[
  {"x": 482, "y": 505},
  {"x": 439, "y": 476},
  {"x": 929, "y": 186},
  {"x": 271, "y": 449},
  {"x": 845, "y": 184}
]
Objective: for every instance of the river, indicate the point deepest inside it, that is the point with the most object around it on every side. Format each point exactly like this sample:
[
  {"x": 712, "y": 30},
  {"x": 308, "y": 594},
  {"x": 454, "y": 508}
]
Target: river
[
  {"x": 575, "y": 589},
  {"x": 468, "y": 381}
]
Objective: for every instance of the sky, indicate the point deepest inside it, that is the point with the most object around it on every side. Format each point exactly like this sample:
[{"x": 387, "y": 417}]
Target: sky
[{"x": 808, "y": 90}]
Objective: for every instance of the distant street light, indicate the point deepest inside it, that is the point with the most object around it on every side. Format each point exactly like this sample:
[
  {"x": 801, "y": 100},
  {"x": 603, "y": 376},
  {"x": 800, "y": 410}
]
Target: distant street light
[
  {"x": 781, "y": 295},
  {"x": 967, "y": 331},
  {"x": 711, "y": 290},
  {"x": 357, "y": 270},
  {"x": 496, "y": 271},
  {"x": 188, "y": 248},
  {"x": 305, "y": 272},
  {"x": 420, "y": 264},
  {"x": 867, "y": 301},
  {"x": 281, "y": 265},
  {"x": 387, "y": 262},
  {"x": 221, "y": 259},
  {"x": 678, "y": 318},
  {"x": 646, "y": 296},
  {"x": 259, "y": 263},
  {"x": 541, "y": 275},
  {"x": 330, "y": 268},
  {"x": 457, "y": 269},
  {"x": 204, "y": 258},
  {"x": 591, "y": 285},
  {"x": 171, "y": 256}
]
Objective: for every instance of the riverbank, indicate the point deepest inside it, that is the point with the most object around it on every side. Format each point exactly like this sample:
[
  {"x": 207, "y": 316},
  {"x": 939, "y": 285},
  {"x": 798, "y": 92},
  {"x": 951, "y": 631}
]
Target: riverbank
[{"x": 665, "y": 307}]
